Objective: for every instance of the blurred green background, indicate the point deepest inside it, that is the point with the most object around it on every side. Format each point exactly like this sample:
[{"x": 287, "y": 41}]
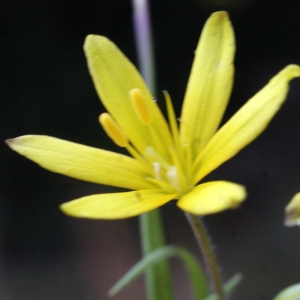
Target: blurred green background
[{"x": 45, "y": 88}]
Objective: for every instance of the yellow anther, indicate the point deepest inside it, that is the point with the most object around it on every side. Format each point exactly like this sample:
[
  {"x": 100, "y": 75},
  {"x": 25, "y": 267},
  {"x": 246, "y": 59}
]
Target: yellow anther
[
  {"x": 140, "y": 106},
  {"x": 113, "y": 130}
]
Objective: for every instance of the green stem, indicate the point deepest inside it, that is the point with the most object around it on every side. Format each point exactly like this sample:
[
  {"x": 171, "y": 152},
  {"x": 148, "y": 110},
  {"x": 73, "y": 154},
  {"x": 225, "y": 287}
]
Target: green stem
[
  {"x": 207, "y": 251},
  {"x": 158, "y": 278}
]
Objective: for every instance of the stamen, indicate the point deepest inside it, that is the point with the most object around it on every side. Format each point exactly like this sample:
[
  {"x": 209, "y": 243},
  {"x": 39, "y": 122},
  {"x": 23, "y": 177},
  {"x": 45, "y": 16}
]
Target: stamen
[
  {"x": 134, "y": 153},
  {"x": 172, "y": 175},
  {"x": 181, "y": 175},
  {"x": 140, "y": 106},
  {"x": 157, "y": 170},
  {"x": 113, "y": 130},
  {"x": 155, "y": 157},
  {"x": 172, "y": 121}
]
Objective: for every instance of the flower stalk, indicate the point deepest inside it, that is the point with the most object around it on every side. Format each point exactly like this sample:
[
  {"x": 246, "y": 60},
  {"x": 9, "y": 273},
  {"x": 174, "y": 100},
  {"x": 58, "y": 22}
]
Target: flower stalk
[
  {"x": 158, "y": 277},
  {"x": 208, "y": 254}
]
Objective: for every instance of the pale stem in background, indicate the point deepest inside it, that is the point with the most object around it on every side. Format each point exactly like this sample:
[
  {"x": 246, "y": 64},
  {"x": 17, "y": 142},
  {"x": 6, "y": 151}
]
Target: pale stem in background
[{"x": 158, "y": 278}]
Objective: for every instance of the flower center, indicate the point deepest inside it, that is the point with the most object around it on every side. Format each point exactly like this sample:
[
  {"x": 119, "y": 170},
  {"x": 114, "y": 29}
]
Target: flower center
[
  {"x": 163, "y": 170},
  {"x": 167, "y": 173},
  {"x": 170, "y": 173}
]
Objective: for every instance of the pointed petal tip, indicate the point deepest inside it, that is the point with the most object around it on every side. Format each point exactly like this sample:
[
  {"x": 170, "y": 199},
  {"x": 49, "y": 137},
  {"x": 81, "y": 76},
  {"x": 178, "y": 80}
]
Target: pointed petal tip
[
  {"x": 14, "y": 142},
  {"x": 218, "y": 18},
  {"x": 88, "y": 39},
  {"x": 64, "y": 208},
  {"x": 91, "y": 37},
  {"x": 292, "y": 70},
  {"x": 70, "y": 213},
  {"x": 71, "y": 210},
  {"x": 8, "y": 142},
  {"x": 92, "y": 40},
  {"x": 289, "y": 72},
  {"x": 220, "y": 14},
  {"x": 11, "y": 142},
  {"x": 292, "y": 212}
]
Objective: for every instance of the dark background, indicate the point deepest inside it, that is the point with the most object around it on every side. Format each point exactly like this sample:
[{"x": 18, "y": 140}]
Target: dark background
[{"x": 45, "y": 88}]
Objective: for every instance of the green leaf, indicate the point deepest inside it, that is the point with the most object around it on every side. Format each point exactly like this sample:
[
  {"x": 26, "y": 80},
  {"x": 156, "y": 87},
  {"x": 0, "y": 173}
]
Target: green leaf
[
  {"x": 199, "y": 285},
  {"x": 229, "y": 287}
]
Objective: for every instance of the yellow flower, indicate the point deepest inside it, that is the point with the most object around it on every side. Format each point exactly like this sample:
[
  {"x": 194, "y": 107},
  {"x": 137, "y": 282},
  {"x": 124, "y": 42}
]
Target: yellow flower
[
  {"x": 292, "y": 212},
  {"x": 167, "y": 162}
]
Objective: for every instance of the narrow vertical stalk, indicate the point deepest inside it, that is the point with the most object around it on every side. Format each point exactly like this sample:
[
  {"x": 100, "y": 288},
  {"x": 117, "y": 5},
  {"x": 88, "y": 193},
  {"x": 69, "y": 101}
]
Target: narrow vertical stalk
[
  {"x": 144, "y": 42},
  {"x": 158, "y": 278},
  {"x": 207, "y": 251}
]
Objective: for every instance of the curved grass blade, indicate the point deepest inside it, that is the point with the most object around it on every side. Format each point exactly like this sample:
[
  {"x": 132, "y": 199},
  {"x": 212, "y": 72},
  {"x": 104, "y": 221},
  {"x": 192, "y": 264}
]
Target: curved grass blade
[
  {"x": 229, "y": 286},
  {"x": 199, "y": 285}
]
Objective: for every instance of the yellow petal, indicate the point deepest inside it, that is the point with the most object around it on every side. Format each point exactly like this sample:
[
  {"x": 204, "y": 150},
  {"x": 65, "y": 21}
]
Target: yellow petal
[
  {"x": 114, "y": 76},
  {"x": 246, "y": 124},
  {"x": 210, "y": 83},
  {"x": 212, "y": 197},
  {"x": 82, "y": 162},
  {"x": 291, "y": 292},
  {"x": 292, "y": 212},
  {"x": 116, "y": 205}
]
